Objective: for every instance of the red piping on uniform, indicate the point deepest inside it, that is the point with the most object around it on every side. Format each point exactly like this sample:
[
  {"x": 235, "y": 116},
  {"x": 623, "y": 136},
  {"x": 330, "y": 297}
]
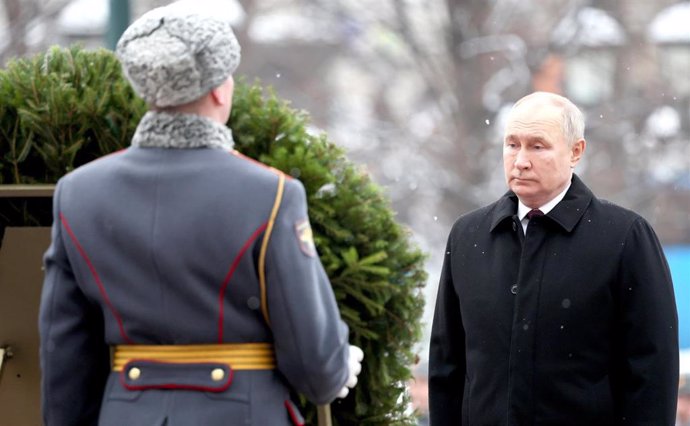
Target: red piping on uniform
[
  {"x": 222, "y": 387},
  {"x": 101, "y": 288},
  {"x": 293, "y": 415},
  {"x": 259, "y": 163},
  {"x": 234, "y": 265},
  {"x": 119, "y": 151}
]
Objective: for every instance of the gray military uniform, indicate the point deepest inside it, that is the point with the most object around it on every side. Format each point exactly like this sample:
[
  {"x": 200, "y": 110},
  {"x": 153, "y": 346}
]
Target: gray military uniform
[{"x": 158, "y": 244}]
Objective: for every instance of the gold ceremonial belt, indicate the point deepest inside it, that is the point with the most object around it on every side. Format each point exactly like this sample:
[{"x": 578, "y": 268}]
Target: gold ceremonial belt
[{"x": 240, "y": 356}]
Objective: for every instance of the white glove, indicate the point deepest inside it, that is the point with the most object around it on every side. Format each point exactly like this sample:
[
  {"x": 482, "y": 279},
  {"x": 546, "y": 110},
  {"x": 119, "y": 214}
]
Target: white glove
[{"x": 354, "y": 363}]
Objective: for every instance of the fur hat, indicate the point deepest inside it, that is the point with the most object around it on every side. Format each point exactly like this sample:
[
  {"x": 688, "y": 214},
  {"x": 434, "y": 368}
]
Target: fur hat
[{"x": 173, "y": 55}]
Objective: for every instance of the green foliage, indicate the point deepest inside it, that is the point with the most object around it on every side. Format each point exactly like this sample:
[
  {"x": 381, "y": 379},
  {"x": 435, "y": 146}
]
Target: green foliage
[
  {"x": 59, "y": 110},
  {"x": 62, "y": 109},
  {"x": 66, "y": 107},
  {"x": 376, "y": 275}
]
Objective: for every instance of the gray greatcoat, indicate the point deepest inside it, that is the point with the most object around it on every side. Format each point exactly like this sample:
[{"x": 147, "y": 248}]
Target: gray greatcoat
[
  {"x": 158, "y": 244},
  {"x": 573, "y": 324}
]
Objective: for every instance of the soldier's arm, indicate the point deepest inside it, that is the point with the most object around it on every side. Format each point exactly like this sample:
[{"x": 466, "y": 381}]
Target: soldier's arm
[
  {"x": 74, "y": 356},
  {"x": 311, "y": 341}
]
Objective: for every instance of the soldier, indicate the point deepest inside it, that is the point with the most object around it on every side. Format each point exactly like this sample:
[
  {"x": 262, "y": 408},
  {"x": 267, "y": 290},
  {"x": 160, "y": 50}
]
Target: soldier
[{"x": 192, "y": 264}]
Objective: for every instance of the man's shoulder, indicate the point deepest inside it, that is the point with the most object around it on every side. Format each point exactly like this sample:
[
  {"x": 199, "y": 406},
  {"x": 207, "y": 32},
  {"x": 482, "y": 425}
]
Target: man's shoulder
[
  {"x": 604, "y": 209},
  {"x": 613, "y": 212},
  {"x": 256, "y": 169},
  {"x": 606, "y": 217},
  {"x": 478, "y": 218},
  {"x": 95, "y": 167}
]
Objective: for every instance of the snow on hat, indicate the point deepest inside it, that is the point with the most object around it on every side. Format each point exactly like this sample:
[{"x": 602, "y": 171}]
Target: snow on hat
[{"x": 173, "y": 55}]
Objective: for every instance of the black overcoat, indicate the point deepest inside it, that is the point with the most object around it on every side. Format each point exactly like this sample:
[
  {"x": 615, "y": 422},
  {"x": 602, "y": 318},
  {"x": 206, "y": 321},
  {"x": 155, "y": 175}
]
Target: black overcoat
[{"x": 573, "y": 324}]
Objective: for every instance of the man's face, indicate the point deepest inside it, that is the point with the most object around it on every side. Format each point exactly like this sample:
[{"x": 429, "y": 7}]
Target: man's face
[{"x": 536, "y": 157}]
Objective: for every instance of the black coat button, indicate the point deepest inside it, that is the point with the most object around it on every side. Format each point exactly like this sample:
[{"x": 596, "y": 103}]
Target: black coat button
[{"x": 514, "y": 289}]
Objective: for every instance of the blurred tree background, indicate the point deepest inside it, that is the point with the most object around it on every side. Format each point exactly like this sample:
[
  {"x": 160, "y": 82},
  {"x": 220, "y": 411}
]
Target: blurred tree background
[{"x": 418, "y": 89}]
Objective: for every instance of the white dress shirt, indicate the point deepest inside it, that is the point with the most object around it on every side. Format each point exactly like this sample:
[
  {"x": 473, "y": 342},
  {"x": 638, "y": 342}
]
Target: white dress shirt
[{"x": 523, "y": 209}]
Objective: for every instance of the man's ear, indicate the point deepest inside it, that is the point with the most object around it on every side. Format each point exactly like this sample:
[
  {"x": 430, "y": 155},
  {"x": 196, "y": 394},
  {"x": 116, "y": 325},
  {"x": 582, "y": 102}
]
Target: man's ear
[
  {"x": 219, "y": 96},
  {"x": 222, "y": 95},
  {"x": 576, "y": 152}
]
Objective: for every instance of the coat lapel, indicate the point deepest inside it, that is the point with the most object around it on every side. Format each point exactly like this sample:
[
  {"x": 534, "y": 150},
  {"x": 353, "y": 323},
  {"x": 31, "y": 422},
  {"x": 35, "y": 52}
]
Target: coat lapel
[
  {"x": 570, "y": 210},
  {"x": 505, "y": 208},
  {"x": 566, "y": 214}
]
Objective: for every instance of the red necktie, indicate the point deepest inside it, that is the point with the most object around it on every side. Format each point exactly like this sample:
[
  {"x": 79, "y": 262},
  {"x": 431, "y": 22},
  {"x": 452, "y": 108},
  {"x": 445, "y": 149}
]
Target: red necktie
[{"x": 534, "y": 213}]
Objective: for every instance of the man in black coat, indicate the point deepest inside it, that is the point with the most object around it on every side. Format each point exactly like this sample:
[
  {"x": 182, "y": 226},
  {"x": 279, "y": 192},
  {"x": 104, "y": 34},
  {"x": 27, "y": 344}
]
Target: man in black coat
[{"x": 554, "y": 307}]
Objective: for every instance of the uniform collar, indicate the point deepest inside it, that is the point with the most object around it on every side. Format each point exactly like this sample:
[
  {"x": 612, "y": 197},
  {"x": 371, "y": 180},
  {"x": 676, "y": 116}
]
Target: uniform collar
[
  {"x": 174, "y": 130},
  {"x": 567, "y": 213}
]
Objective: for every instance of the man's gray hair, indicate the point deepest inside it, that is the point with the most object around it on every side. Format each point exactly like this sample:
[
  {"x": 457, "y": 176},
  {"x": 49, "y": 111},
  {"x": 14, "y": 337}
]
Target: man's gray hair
[{"x": 573, "y": 121}]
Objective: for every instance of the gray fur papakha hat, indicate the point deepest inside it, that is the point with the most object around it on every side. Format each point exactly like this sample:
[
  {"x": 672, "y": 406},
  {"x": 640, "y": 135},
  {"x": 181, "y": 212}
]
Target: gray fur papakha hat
[{"x": 173, "y": 56}]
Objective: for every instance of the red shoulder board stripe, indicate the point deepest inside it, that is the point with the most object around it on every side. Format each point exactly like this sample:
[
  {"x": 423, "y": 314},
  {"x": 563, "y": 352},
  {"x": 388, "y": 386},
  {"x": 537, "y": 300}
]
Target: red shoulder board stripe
[{"x": 259, "y": 163}]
